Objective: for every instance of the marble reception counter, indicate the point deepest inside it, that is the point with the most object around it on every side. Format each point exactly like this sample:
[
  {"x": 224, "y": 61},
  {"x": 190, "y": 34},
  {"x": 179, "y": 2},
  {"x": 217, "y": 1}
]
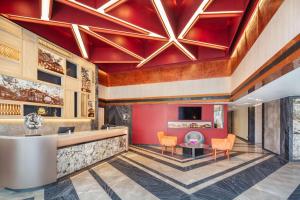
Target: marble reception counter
[
  {"x": 28, "y": 162},
  {"x": 79, "y": 150}
]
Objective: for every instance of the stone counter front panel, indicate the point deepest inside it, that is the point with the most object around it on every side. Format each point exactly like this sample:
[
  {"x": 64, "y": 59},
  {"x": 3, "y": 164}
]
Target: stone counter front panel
[{"x": 73, "y": 158}]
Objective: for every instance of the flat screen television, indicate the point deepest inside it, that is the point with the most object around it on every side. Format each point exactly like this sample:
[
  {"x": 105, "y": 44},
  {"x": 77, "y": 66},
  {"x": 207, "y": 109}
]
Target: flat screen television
[{"x": 189, "y": 113}]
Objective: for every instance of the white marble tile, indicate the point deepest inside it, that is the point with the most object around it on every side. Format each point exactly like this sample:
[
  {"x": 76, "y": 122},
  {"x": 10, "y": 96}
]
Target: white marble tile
[
  {"x": 87, "y": 187},
  {"x": 279, "y": 185},
  {"x": 122, "y": 185}
]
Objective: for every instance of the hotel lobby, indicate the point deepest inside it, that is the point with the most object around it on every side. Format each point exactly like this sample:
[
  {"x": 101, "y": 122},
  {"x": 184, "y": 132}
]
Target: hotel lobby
[{"x": 149, "y": 99}]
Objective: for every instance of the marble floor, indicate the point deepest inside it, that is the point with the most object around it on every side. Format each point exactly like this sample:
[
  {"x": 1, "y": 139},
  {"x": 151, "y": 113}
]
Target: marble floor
[{"x": 143, "y": 173}]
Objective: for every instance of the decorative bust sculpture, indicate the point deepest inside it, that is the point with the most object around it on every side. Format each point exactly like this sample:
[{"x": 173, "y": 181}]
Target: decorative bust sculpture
[{"x": 33, "y": 122}]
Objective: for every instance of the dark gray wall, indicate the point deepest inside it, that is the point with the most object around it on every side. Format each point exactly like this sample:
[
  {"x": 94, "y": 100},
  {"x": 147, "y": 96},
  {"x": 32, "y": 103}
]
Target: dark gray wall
[{"x": 120, "y": 116}]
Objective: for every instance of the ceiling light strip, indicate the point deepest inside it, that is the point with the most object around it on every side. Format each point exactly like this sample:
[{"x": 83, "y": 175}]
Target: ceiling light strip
[
  {"x": 110, "y": 5},
  {"x": 163, "y": 16},
  {"x": 222, "y": 14},
  {"x": 184, "y": 50},
  {"x": 194, "y": 18},
  {"x": 162, "y": 48},
  {"x": 111, "y": 18},
  {"x": 46, "y": 9},
  {"x": 204, "y": 44},
  {"x": 79, "y": 40},
  {"x": 103, "y": 39}
]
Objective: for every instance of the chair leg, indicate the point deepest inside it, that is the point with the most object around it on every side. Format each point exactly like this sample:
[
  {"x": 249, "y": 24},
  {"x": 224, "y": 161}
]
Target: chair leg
[
  {"x": 227, "y": 152},
  {"x": 172, "y": 151},
  {"x": 162, "y": 149}
]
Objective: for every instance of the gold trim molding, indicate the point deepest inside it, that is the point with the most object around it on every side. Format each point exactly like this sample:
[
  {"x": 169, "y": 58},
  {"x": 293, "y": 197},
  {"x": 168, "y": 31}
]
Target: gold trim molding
[
  {"x": 54, "y": 48},
  {"x": 9, "y": 52}
]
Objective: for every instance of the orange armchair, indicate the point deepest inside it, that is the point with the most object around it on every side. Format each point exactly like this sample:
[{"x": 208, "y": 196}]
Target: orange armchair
[
  {"x": 225, "y": 145},
  {"x": 166, "y": 141}
]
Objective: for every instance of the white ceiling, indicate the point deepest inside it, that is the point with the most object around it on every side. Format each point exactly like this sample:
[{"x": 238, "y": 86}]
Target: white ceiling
[{"x": 287, "y": 85}]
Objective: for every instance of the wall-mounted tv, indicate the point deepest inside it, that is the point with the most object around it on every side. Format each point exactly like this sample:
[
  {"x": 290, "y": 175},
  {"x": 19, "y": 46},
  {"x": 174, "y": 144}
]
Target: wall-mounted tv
[{"x": 189, "y": 113}]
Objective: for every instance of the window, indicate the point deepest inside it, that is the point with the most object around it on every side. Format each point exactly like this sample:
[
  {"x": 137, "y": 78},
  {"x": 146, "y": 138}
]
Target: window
[
  {"x": 71, "y": 69},
  {"x": 50, "y": 78}
]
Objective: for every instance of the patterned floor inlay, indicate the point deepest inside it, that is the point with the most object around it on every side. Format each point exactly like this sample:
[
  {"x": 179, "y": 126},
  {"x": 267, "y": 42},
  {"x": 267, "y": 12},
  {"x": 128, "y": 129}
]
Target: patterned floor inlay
[{"x": 143, "y": 173}]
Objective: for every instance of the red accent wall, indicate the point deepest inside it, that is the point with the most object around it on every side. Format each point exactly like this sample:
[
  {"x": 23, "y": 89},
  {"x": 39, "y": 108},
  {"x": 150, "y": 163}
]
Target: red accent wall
[{"x": 147, "y": 119}]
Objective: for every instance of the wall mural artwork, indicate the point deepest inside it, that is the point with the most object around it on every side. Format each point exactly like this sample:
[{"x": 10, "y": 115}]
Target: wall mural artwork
[
  {"x": 86, "y": 80},
  {"x": 50, "y": 61},
  {"x": 189, "y": 124},
  {"x": 91, "y": 109},
  {"x": 22, "y": 90}
]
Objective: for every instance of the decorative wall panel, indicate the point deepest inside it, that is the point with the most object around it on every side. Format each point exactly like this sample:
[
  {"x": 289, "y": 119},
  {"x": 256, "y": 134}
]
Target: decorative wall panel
[
  {"x": 86, "y": 80},
  {"x": 119, "y": 116},
  {"x": 10, "y": 109},
  {"x": 22, "y": 90},
  {"x": 50, "y": 61},
  {"x": 189, "y": 124},
  {"x": 9, "y": 52}
]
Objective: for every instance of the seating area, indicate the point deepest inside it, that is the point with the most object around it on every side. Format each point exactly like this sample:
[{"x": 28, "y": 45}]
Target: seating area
[{"x": 149, "y": 100}]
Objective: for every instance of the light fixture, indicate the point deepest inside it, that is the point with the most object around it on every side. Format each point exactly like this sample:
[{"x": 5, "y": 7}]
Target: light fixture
[
  {"x": 45, "y": 10},
  {"x": 193, "y": 19},
  {"x": 79, "y": 40},
  {"x": 172, "y": 39},
  {"x": 101, "y": 11}
]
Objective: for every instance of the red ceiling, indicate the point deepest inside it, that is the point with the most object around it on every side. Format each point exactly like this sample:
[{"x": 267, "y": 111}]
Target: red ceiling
[{"x": 121, "y": 35}]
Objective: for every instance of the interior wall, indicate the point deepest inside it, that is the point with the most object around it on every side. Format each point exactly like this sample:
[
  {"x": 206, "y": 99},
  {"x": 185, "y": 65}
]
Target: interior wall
[
  {"x": 258, "y": 124},
  {"x": 26, "y": 67},
  {"x": 175, "y": 88},
  {"x": 148, "y": 119},
  {"x": 272, "y": 126},
  {"x": 240, "y": 121},
  {"x": 287, "y": 25}
]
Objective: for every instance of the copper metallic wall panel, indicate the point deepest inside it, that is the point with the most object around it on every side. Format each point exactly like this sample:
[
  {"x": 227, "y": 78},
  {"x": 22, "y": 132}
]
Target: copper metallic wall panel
[
  {"x": 261, "y": 18},
  {"x": 200, "y": 70}
]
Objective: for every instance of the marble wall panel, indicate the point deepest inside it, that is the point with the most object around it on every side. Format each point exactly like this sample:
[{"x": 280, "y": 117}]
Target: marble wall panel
[
  {"x": 296, "y": 129},
  {"x": 73, "y": 158},
  {"x": 272, "y": 126},
  {"x": 120, "y": 116}
]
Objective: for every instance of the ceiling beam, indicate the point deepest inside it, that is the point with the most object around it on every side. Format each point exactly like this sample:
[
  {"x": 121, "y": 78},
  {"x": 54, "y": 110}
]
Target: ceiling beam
[
  {"x": 37, "y": 21},
  {"x": 154, "y": 54},
  {"x": 172, "y": 38},
  {"x": 221, "y": 14},
  {"x": 107, "y": 41},
  {"x": 194, "y": 18},
  {"x": 203, "y": 44},
  {"x": 106, "y": 16}
]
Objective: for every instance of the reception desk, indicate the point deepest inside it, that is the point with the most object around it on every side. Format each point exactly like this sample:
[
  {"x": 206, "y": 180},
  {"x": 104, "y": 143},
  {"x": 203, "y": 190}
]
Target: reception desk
[{"x": 28, "y": 162}]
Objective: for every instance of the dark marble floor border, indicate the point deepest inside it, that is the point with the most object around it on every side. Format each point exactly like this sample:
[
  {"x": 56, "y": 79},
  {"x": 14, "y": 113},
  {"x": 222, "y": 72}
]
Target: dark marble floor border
[
  {"x": 60, "y": 190},
  {"x": 189, "y": 186},
  {"x": 186, "y": 168},
  {"x": 226, "y": 189},
  {"x": 175, "y": 157},
  {"x": 296, "y": 194},
  {"x": 159, "y": 188},
  {"x": 104, "y": 185},
  {"x": 229, "y": 188}
]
